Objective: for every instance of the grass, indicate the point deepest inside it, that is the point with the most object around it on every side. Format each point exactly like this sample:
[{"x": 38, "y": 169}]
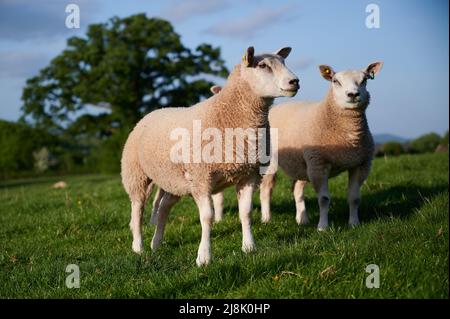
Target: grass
[{"x": 404, "y": 215}]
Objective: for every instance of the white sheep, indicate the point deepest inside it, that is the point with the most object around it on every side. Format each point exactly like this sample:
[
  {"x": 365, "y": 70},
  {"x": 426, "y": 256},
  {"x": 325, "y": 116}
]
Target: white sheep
[
  {"x": 317, "y": 141},
  {"x": 148, "y": 152},
  {"x": 217, "y": 198}
]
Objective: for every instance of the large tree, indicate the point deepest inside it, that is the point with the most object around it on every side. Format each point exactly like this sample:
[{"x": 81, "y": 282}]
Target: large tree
[{"x": 127, "y": 66}]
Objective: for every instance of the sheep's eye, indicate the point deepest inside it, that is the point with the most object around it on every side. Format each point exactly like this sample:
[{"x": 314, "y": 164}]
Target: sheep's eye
[
  {"x": 336, "y": 82},
  {"x": 262, "y": 65}
]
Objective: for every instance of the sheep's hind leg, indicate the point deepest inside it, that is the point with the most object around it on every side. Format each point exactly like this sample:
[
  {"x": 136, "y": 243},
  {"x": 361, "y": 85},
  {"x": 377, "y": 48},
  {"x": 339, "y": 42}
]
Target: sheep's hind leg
[
  {"x": 204, "y": 203},
  {"x": 218, "y": 206},
  {"x": 166, "y": 203},
  {"x": 245, "y": 191},
  {"x": 301, "y": 214},
  {"x": 156, "y": 202},
  {"x": 319, "y": 180},
  {"x": 356, "y": 178},
  {"x": 138, "y": 199},
  {"x": 265, "y": 195}
]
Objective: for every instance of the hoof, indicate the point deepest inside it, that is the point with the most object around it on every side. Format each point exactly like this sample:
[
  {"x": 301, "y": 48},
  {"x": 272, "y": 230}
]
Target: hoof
[
  {"x": 155, "y": 244},
  {"x": 137, "y": 247},
  {"x": 303, "y": 220},
  {"x": 353, "y": 224},
  {"x": 265, "y": 218},
  {"x": 203, "y": 259},
  {"x": 248, "y": 247}
]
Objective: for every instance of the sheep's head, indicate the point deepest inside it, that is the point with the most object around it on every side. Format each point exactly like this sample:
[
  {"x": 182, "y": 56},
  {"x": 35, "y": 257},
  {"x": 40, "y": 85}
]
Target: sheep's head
[
  {"x": 267, "y": 74},
  {"x": 349, "y": 87}
]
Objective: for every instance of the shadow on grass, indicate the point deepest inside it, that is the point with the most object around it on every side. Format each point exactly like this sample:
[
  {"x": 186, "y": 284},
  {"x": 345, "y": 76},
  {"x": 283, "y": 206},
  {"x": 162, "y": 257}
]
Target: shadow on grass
[
  {"x": 398, "y": 201},
  {"x": 230, "y": 274}
]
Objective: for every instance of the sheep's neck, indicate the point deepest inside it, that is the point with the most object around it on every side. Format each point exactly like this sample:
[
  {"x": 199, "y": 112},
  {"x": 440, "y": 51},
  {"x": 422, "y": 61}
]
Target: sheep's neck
[
  {"x": 238, "y": 106},
  {"x": 350, "y": 126}
]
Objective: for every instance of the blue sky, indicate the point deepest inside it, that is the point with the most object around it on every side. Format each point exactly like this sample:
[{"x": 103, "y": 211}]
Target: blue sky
[{"x": 409, "y": 97}]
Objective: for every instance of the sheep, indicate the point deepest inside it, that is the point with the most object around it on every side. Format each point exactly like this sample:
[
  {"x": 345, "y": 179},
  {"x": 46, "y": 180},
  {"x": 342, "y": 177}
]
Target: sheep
[
  {"x": 217, "y": 198},
  {"x": 148, "y": 154},
  {"x": 317, "y": 141}
]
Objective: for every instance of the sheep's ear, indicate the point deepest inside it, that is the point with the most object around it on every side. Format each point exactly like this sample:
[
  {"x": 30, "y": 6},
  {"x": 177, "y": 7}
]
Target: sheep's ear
[
  {"x": 372, "y": 69},
  {"x": 284, "y": 52},
  {"x": 215, "y": 89},
  {"x": 249, "y": 57},
  {"x": 326, "y": 71}
]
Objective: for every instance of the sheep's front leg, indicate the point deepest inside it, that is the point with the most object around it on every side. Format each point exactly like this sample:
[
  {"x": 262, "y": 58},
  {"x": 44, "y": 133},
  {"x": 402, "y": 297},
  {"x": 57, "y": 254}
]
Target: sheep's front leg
[
  {"x": 319, "y": 180},
  {"x": 218, "y": 206},
  {"x": 301, "y": 214},
  {"x": 356, "y": 178},
  {"x": 166, "y": 203},
  {"x": 265, "y": 195},
  {"x": 245, "y": 192},
  {"x": 205, "y": 207}
]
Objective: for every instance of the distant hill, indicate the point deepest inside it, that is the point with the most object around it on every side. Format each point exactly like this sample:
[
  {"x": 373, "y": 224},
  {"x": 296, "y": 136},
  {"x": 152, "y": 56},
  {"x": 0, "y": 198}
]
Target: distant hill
[{"x": 383, "y": 138}]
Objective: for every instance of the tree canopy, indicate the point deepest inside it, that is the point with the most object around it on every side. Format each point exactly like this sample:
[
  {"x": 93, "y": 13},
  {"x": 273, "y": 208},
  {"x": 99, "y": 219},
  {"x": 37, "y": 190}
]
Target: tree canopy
[{"x": 127, "y": 66}]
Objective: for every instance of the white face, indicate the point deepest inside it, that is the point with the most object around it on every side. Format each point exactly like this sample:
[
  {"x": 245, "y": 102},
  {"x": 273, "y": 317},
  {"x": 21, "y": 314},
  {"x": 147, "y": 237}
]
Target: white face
[
  {"x": 268, "y": 75},
  {"x": 349, "y": 89}
]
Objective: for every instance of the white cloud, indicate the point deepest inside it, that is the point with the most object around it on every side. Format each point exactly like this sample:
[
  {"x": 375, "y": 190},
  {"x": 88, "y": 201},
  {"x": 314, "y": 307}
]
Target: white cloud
[
  {"x": 256, "y": 22},
  {"x": 184, "y": 10}
]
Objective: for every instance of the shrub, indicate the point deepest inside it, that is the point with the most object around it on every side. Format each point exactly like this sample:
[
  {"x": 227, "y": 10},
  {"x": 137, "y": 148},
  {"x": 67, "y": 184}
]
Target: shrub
[
  {"x": 444, "y": 140},
  {"x": 426, "y": 143},
  {"x": 392, "y": 148},
  {"x": 18, "y": 142},
  {"x": 106, "y": 159}
]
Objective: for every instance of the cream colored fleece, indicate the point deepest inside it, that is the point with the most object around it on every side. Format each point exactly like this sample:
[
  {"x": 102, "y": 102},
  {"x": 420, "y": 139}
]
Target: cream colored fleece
[
  {"x": 146, "y": 154},
  {"x": 320, "y": 135}
]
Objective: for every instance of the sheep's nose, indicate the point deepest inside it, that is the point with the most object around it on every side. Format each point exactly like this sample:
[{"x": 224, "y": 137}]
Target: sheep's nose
[
  {"x": 294, "y": 82},
  {"x": 353, "y": 94}
]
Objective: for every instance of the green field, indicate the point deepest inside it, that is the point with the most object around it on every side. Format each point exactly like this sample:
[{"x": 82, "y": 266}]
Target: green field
[{"x": 404, "y": 216}]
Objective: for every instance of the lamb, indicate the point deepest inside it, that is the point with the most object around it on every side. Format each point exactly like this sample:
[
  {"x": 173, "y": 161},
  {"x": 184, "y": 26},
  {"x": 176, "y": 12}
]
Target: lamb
[
  {"x": 317, "y": 141},
  {"x": 148, "y": 154}
]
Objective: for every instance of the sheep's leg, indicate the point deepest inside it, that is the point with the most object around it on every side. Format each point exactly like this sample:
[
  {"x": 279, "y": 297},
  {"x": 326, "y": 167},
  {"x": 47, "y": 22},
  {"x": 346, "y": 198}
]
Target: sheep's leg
[
  {"x": 137, "y": 209},
  {"x": 204, "y": 204},
  {"x": 156, "y": 202},
  {"x": 265, "y": 195},
  {"x": 319, "y": 180},
  {"x": 245, "y": 192},
  {"x": 301, "y": 214},
  {"x": 166, "y": 203},
  {"x": 356, "y": 178},
  {"x": 138, "y": 196},
  {"x": 218, "y": 206}
]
